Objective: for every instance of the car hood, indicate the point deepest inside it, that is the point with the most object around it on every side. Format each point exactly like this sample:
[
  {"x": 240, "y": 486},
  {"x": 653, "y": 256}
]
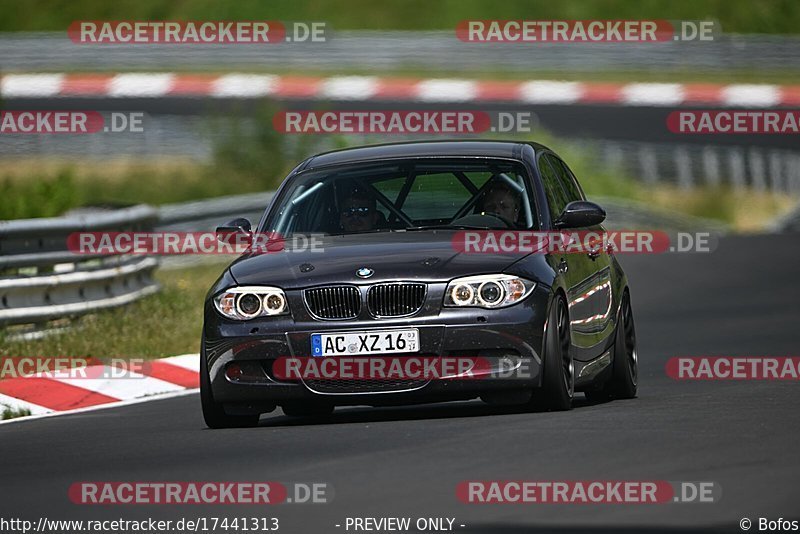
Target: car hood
[{"x": 425, "y": 255}]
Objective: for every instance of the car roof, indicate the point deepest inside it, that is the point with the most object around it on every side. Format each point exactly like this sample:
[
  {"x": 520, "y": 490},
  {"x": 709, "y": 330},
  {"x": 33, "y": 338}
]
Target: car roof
[{"x": 421, "y": 149}]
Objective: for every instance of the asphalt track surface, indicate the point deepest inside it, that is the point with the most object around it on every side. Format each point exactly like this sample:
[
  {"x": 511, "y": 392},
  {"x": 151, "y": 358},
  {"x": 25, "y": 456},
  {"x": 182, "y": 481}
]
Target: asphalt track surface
[{"x": 740, "y": 300}]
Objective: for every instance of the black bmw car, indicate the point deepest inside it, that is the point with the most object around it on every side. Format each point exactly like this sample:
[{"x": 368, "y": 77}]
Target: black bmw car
[{"x": 384, "y": 272}]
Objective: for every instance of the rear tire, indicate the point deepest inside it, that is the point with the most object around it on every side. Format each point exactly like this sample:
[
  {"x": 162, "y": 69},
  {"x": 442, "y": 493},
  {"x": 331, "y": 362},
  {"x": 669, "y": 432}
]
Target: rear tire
[
  {"x": 213, "y": 412},
  {"x": 558, "y": 380},
  {"x": 625, "y": 366},
  {"x": 625, "y": 374}
]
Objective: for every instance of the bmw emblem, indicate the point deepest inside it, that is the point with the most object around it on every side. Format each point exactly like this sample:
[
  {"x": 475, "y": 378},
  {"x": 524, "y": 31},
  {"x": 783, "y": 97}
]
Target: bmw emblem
[{"x": 365, "y": 272}]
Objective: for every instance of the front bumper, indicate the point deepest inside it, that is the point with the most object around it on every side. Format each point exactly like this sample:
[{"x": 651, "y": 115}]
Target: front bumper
[{"x": 493, "y": 335}]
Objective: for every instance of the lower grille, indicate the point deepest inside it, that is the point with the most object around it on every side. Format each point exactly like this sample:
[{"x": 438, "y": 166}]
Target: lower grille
[
  {"x": 333, "y": 302},
  {"x": 343, "y": 387},
  {"x": 395, "y": 299}
]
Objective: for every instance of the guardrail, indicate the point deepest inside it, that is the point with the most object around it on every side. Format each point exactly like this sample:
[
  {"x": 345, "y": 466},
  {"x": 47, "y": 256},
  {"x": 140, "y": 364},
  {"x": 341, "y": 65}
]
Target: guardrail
[
  {"x": 205, "y": 215},
  {"x": 42, "y": 280}
]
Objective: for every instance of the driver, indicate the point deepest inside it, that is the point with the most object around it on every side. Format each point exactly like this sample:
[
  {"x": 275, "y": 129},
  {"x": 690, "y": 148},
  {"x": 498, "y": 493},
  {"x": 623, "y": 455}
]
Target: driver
[
  {"x": 358, "y": 212},
  {"x": 502, "y": 200}
]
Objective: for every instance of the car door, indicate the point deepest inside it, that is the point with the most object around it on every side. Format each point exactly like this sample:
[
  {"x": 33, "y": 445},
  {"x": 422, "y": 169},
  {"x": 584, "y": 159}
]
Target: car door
[{"x": 587, "y": 274}]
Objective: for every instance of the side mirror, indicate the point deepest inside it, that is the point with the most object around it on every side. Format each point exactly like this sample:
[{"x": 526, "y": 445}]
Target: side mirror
[
  {"x": 580, "y": 214},
  {"x": 233, "y": 229}
]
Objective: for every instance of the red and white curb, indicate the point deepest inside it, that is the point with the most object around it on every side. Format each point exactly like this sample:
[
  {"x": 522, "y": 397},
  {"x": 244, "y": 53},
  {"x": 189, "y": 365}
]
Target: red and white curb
[
  {"x": 44, "y": 394},
  {"x": 369, "y": 88}
]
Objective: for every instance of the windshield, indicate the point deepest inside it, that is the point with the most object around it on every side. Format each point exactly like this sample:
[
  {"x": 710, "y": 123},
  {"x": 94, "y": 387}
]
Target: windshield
[{"x": 405, "y": 196}]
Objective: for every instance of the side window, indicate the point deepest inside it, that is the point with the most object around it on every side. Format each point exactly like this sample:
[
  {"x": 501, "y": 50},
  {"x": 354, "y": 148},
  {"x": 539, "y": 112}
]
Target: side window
[
  {"x": 556, "y": 198},
  {"x": 567, "y": 179}
]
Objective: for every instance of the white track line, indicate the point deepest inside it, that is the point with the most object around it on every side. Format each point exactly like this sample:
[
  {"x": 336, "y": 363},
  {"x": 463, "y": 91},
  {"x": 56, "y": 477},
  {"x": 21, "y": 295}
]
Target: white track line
[
  {"x": 187, "y": 361},
  {"x": 31, "y": 85},
  {"x": 655, "y": 94},
  {"x": 103, "y": 406},
  {"x": 446, "y": 90},
  {"x": 133, "y": 389},
  {"x": 128, "y": 385},
  {"x": 244, "y": 85},
  {"x": 349, "y": 88},
  {"x": 755, "y": 95},
  {"x": 140, "y": 85},
  {"x": 545, "y": 92}
]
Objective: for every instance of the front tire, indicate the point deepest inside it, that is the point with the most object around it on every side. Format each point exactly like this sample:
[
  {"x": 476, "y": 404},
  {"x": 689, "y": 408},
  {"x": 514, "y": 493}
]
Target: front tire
[
  {"x": 558, "y": 380},
  {"x": 213, "y": 412}
]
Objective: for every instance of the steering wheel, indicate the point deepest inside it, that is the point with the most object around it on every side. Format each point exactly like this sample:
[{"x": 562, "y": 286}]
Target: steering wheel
[
  {"x": 479, "y": 219},
  {"x": 506, "y": 222}
]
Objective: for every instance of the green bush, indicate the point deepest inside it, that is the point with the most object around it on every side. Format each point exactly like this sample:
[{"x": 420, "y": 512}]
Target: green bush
[{"x": 38, "y": 198}]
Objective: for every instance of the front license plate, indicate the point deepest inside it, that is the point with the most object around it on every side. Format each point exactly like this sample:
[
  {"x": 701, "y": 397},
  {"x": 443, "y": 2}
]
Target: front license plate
[{"x": 363, "y": 343}]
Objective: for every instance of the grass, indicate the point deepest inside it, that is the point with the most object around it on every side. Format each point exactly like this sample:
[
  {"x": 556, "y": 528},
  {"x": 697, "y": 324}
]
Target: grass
[
  {"x": 744, "y": 210},
  {"x": 735, "y": 16},
  {"x": 49, "y": 188},
  {"x": 10, "y": 413},
  {"x": 164, "y": 324}
]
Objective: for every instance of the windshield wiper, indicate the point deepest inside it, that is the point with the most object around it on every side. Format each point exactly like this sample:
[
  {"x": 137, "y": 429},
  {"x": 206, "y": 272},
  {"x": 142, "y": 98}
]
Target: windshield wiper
[{"x": 373, "y": 231}]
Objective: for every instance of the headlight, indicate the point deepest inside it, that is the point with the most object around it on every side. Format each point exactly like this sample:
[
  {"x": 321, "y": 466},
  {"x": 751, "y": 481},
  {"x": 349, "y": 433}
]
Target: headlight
[
  {"x": 487, "y": 291},
  {"x": 244, "y": 303}
]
